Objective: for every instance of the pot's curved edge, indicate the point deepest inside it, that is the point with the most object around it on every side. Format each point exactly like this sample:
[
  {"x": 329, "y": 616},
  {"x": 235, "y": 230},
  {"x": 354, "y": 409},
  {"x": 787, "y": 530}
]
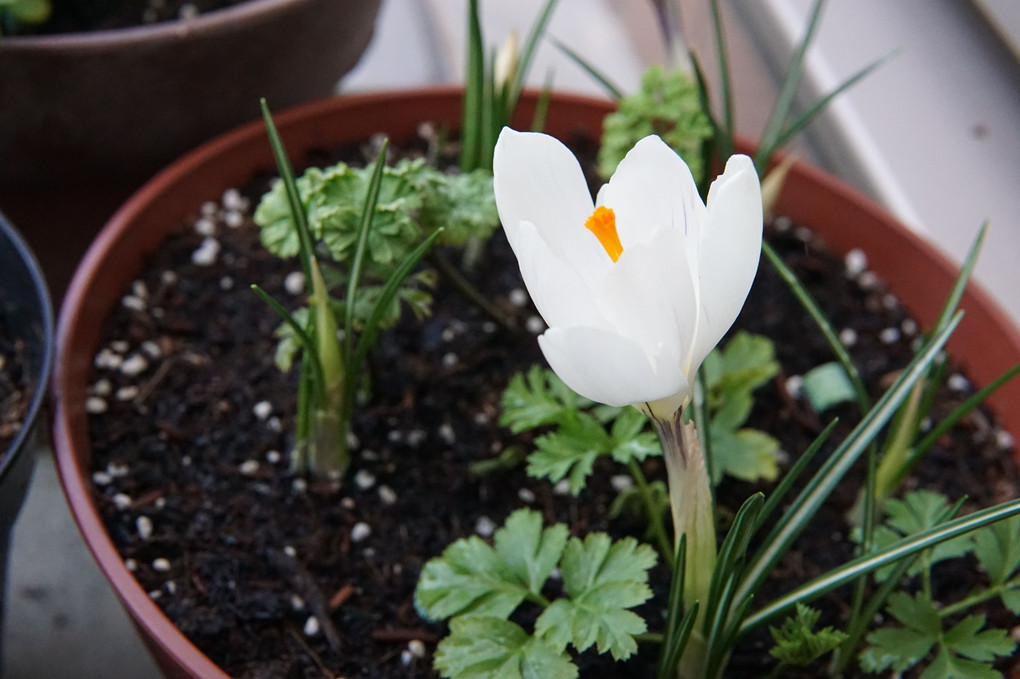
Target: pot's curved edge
[
  {"x": 922, "y": 282},
  {"x": 209, "y": 23},
  {"x": 45, "y": 304},
  {"x": 298, "y": 126}
]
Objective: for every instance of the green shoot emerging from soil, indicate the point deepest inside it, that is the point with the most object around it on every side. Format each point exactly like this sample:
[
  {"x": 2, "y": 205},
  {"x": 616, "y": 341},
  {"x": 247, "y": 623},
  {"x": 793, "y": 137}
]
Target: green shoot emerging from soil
[{"x": 331, "y": 362}]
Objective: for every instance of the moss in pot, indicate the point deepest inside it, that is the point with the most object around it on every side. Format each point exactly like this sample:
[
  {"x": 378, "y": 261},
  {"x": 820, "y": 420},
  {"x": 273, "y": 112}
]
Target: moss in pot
[{"x": 529, "y": 649}]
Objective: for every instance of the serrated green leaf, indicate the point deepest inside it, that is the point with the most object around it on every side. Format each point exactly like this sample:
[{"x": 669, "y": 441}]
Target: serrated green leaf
[
  {"x": 572, "y": 449},
  {"x": 530, "y": 551},
  {"x": 493, "y": 648},
  {"x": 997, "y": 547},
  {"x": 1011, "y": 600},
  {"x": 629, "y": 441},
  {"x": 895, "y": 647},
  {"x": 535, "y": 399},
  {"x": 918, "y": 511},
  {"x": 967, "y": 638},
  {"x": 603, "y": 580},
  {"x": 828, "y": 385},
  {"x": 798, "y": 643},
  {"x": 464, "y": 205},
  {"x": 469, "y": 577},
  {"x": 747, "y": 362},
  {"x": 747, "y": 454}
]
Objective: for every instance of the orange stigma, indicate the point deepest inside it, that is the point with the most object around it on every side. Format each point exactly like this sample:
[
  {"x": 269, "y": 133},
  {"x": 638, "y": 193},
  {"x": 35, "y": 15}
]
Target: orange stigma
[{"x": 602, "y": 223}]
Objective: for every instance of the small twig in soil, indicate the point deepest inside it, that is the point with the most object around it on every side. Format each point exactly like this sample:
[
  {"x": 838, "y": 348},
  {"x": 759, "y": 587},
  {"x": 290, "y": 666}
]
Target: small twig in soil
[
  {"x": 305, "y": 584},
  {"x": 326, "y": 673},
  {"x": 154, "y": 381},
  {"x": 404, "y": 634},
  {"x": 341, "y": 597}
]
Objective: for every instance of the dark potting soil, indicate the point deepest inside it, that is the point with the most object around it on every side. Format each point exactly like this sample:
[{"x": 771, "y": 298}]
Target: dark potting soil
[
  {"x": 15, "y": 384},
  {"x": 75, "y": 16},
  {"x": 274, "y": 575}
]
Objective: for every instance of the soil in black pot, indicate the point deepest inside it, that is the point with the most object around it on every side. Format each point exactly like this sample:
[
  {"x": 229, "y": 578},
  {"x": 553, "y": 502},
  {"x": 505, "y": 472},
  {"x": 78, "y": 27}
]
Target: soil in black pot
[
  {"x": 76, "y": 16},
  {"x": 275, "y": 575},
  {"x": 15, "y": 384}
]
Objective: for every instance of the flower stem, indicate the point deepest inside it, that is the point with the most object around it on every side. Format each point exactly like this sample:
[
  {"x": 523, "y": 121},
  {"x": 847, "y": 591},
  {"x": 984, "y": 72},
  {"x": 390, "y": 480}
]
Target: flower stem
[
  {"x": 690, "y": 497},
  {"x": 654, "y": 516}
]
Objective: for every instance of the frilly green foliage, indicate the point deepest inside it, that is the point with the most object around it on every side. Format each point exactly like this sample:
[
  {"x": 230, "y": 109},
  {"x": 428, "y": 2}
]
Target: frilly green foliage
[
  {"x": 480, "y": 586},
  {"x": 414, "y": 200},
  {"x": 669, "y": 105},
  {"x": 797, "y": 641}
]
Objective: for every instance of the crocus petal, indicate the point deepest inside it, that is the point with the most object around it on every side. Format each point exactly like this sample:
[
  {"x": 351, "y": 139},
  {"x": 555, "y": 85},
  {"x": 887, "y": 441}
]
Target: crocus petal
[
  {"x": 559, "y": 293},
  {"x": 652, "y": 187},
  {"x": 608, "y": 368},
  {"x": 536, "y": 179},
  {"x": 649, "y": 295},
  {"x": 728, "y": 253}
]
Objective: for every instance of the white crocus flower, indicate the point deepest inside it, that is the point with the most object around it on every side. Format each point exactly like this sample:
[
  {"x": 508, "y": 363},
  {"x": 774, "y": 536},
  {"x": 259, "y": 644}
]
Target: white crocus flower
[{"x": 639, "y": 286}]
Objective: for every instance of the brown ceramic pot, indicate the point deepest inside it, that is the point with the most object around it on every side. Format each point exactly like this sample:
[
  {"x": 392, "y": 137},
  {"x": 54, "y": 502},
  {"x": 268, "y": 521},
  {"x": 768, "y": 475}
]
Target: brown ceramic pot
[
  {"x": 86, "y": 118},
  {"x": 986, "y": 343}
]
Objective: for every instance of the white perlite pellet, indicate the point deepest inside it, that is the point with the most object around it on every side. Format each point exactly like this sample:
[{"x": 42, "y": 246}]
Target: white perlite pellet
[
  {"x": 406, "y": 658},
  {"x": 621, "y": 482},
  {"x": 526, "y": 495},
  {"x": 296, "y": 603},
  {"x": 143, "y": 525},
  {"x": 102, "y": 387},
  {"x": 518, "y": 297},
  {"x": 233, "y": 200},
  {"x": 133, "y": 365},
  {"x": 226, "y": 283},
  {"x": 262, "y": 409},
  {"x": 364, "y": 479},
  {"x": 535, "y": 325},
  {"x": 168, "y": 277},
  {"x": 294, "y": 283},
  {"x": 856, "y": 262},
  {"x": 958, "y": 382},
  {"x": 417, "y": 648},
  {"x": 127, "y": 393},
  {"x": 155, "y": 594},
  {"x": 101, "y": 478},
  {"x": 117, "y": 471},
  {"x": 131, "y": 565},
  {"x": 95, "y": 405},
  {"x": 360, "y": 532},
  {"x": 161, "y": 565},
  {"x": 206, "y": 253},
  {"x": 848, "y": 336},
  {"x": 450, "y": 359},
  {"x": 1003, "y": 439},
  {"x": 133, "y": 303},
  {"x": 107, "y": 359},
  {"x": 446, "y": 433},
  {"x": 121, "y": 501},
  {"x": 485, "y": 526},
  {"x": 889, "y": 335},
  {"x": 794, "y": 385},
  {"x": 151, "y": 349},
  {"x": 233, "y": 219},
  {"x": 273, "y": 456},
  {"x": 311, "y": 626},
  {"x": 909, "y": 327},
  {"x": 562, "y": 487},
  {"x": 205, "y": 227},
  {"x": 290, "y": 551},
  {"x": 387, "y": 495},
  {"x": 249, "y": 467}
]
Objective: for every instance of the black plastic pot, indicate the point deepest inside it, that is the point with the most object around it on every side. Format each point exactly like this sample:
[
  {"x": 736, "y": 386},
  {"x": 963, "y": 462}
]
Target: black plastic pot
[{"x": 26, "y": 308}]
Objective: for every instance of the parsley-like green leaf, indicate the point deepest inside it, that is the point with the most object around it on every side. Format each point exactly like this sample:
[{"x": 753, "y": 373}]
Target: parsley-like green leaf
[
  {"x": 469, "y": 577},
  {"x": 902, "y": 647},
  {"x": 493, "y": 648},
  {"x": 798, "y": 643},
  {"x": 572, "y": 449},
  {"x": 630, "y": 439},
  {"x": 747, "y": 454},
  {"x": 536, "y": 399},
  {"x": 530, "y": 551},
  {"x": 919, "y": 510},
  {"x": 603, "y": 580},
  {"x": 464, "y": 205},
  {"x": 997, "y": 547}
]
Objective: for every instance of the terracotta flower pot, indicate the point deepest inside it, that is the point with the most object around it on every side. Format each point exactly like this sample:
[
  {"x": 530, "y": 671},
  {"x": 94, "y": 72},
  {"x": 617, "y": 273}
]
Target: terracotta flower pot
[
  {"x": 986, "y": 344},
  {"x": 26, "y": 310}
]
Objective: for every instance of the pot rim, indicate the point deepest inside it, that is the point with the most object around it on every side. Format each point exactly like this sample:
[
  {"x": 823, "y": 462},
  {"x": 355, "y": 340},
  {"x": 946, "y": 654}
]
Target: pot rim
[
  {"x": 43, "y": 300},
  {"x": 76, "y": 481},
  {"x": 218, "y": 21}
]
